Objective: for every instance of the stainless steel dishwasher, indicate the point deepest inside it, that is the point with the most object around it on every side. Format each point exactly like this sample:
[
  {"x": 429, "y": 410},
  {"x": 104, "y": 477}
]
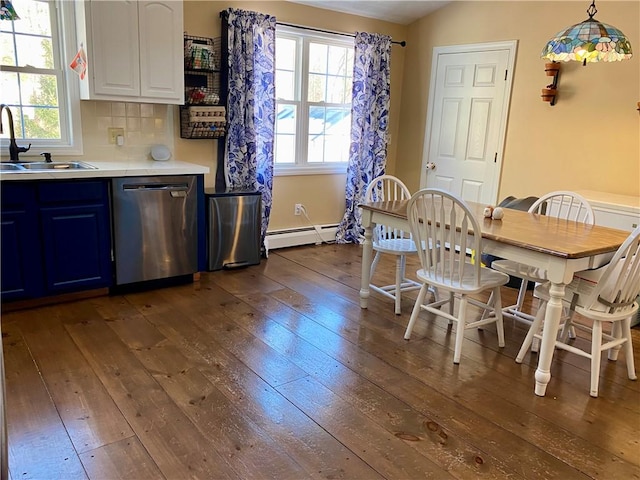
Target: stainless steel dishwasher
[{"x": 154, "y": 227}]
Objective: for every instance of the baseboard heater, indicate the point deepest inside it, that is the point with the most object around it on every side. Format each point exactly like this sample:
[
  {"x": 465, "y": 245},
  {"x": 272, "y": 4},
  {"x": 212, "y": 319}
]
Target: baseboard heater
[{"x": 300, "y": 236}]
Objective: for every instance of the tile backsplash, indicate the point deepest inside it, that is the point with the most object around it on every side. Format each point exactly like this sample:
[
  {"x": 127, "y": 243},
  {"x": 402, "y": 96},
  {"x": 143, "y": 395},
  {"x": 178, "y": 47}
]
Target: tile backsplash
[{"x": 144, "y": 125}]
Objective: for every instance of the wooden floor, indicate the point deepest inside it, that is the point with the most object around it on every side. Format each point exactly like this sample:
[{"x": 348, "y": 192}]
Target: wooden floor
[{"x": 274, "y": 372}]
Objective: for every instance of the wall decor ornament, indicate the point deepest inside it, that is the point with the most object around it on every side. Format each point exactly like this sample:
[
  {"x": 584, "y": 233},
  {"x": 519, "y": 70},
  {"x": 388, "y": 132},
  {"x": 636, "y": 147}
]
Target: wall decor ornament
[{"x": 549, "y": 93}]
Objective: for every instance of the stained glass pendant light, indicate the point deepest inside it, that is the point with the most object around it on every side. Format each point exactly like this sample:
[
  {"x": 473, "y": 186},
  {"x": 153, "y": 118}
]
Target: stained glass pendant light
[
  {"x": 7, "y": 12},
  {"x": 588, "y": 41}
]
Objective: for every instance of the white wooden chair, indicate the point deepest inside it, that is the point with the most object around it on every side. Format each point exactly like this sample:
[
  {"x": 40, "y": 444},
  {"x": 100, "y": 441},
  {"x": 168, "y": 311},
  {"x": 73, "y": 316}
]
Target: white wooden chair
[
  {"x": 608, "y": 294},
  {"x": 562, "y": 205},
  {"x": 446, "y": 266},
  {"x": 390, "y": 240}
]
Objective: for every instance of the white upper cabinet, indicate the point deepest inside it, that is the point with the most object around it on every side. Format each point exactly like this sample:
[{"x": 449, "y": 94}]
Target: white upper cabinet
[{"x": 134, "y": 50}]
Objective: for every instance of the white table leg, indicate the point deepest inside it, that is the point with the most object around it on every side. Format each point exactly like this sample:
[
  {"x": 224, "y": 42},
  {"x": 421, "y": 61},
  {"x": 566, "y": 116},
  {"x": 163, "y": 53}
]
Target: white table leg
[
  {"x": 552, "y": 317},
  {"x": 367, "y": 254}
]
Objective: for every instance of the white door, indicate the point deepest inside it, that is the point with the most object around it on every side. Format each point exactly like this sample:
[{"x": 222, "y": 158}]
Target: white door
[{"x": 467, "y": 119}]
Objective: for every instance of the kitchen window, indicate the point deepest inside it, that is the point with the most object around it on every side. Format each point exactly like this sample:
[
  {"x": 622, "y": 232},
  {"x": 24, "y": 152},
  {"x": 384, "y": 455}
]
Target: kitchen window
[
  {"x": 35, "y": 82},
  {"x": 313, "y": 102}
]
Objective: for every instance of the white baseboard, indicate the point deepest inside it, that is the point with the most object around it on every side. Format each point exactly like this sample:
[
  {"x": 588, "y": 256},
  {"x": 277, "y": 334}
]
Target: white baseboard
[{"x": 300, "y": 236}]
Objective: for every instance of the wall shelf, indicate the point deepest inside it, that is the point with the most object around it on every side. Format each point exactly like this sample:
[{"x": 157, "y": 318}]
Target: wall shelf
[
  {"x": 203, "y": 122},
  {"x": 202, "y": 116}
]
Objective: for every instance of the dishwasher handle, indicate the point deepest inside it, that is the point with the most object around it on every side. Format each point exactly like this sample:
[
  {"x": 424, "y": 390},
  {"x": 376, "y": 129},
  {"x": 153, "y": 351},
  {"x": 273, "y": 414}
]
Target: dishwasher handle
[{"x": 172, "y": 187}]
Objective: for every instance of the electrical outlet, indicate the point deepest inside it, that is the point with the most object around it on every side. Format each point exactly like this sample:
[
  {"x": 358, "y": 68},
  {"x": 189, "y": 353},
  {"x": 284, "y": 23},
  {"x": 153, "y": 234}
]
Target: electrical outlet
[
  {"x": 114, "y": 133},
  {"x": 297, "y": 209}
]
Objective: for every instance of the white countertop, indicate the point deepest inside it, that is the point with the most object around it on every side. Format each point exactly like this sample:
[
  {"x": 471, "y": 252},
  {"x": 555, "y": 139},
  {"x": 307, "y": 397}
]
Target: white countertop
[{"x": 128, "y": 168}]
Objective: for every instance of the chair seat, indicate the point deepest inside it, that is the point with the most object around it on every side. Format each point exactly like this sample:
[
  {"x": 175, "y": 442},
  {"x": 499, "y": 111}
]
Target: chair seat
[
  {"x": 488, "y": 279},
  {"x": 395, "y": 246},
  {"x": 520, "y": 270}
]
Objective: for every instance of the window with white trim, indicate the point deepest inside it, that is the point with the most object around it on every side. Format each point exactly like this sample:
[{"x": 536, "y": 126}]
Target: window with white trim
[
  {"x": 36, "y": 85},
  {"x": 313, "y": 101}
]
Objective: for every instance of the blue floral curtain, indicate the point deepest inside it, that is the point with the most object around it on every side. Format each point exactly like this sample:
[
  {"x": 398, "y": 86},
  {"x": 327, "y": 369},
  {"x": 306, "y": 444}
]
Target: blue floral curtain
[
  {"x": 251, "y": 105},
  {"x": 369, "y": 124}
]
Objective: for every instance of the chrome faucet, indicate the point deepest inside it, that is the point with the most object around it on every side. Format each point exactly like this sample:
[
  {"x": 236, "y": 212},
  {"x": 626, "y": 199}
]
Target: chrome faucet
[{"x": 14, "y": 149}]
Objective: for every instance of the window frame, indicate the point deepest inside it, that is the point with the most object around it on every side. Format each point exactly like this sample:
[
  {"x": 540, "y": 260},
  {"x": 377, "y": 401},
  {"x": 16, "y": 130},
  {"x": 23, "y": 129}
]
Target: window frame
[
  {"x": 303, "y": 37},
  {"x": 63, "y": 37}
]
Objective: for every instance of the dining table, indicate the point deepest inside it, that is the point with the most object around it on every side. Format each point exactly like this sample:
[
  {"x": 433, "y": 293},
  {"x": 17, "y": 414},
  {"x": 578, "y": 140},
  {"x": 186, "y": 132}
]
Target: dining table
[{"x": 560, "y": 247}]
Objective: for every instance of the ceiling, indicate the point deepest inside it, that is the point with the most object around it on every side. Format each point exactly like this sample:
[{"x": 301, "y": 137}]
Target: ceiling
[{"x": 395, "y": 11}]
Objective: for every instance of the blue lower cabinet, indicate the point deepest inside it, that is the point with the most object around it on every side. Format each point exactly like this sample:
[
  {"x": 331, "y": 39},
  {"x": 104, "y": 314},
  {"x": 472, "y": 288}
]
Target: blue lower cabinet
[
  {"x": 56, "y": 238},
  {"x": 76, "y": 235},
  {"x": 20, "y": 251},
  {"x": 75, "y": 241}
]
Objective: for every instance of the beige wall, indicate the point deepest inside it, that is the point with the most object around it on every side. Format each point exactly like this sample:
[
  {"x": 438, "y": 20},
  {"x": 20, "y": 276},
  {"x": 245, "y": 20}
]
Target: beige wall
[{"x": 589, "y": 140}]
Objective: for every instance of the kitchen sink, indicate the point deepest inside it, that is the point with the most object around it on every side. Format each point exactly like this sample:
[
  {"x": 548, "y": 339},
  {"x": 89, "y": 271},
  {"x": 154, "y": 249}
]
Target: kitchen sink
[
  {"x": 44, "y": 166},
  {"x": 56, "y": 166},
  {"x": 10, "y": 167}
]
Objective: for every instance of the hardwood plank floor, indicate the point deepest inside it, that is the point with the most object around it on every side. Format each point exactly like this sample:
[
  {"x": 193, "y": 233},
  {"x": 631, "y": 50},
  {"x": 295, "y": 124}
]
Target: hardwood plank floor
[{"x": 274, "y": 371}]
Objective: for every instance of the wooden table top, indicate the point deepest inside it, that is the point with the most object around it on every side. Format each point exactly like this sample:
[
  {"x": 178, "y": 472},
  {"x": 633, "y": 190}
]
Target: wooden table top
[{"x": 549, "y": 235}]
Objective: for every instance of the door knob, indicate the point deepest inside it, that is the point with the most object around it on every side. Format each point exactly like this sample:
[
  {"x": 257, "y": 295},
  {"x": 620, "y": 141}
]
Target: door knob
[{"x": 431, "y": 166}]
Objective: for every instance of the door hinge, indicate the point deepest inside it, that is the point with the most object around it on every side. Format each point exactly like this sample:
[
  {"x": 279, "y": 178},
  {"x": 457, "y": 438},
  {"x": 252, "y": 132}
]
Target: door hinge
[
  {"x": 506, "y": 72},
  {"x": 495, "y": 158}
]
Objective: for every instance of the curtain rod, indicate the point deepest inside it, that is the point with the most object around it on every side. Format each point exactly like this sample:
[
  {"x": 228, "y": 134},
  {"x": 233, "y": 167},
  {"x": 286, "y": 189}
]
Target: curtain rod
[{"x": 402, "y": 43}]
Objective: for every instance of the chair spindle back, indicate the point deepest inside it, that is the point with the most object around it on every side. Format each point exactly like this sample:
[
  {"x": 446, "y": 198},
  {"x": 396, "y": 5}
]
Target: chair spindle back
[
  {"x": 564, "y": 205},
  {"x": 444, "y": 231}
]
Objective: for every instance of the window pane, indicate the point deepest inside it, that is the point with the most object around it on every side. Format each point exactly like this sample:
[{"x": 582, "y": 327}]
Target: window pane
[
  {"x": 316, "y": 120},
  {"x": 34, "y": 51},
  {"x": 286, "y": 69},
  {"x": 9, "y": 87},
  {"x": 329, "y": 131},
  {"x": 338, "y": 136},
  {"x": 39, "y": 89},
  {"x": 285, "y": 54},
  {"x": 8, "y": 54},
  {"x": 317, "y": 88},
  {"x": 34, "y": 17},
  {"x": 337, "y": 64},
  {"x": 41, "y": 122},
  {"x": 285, "y": 85},
  {"x": 317, "y": 58},
  {"x": 336, "y": 90},
  {"x": 338, "y": 121},
  {"x": 286, "y": 119},
  {"x": 315, "y": 152},
  {"x": 285, "y": 148}
]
